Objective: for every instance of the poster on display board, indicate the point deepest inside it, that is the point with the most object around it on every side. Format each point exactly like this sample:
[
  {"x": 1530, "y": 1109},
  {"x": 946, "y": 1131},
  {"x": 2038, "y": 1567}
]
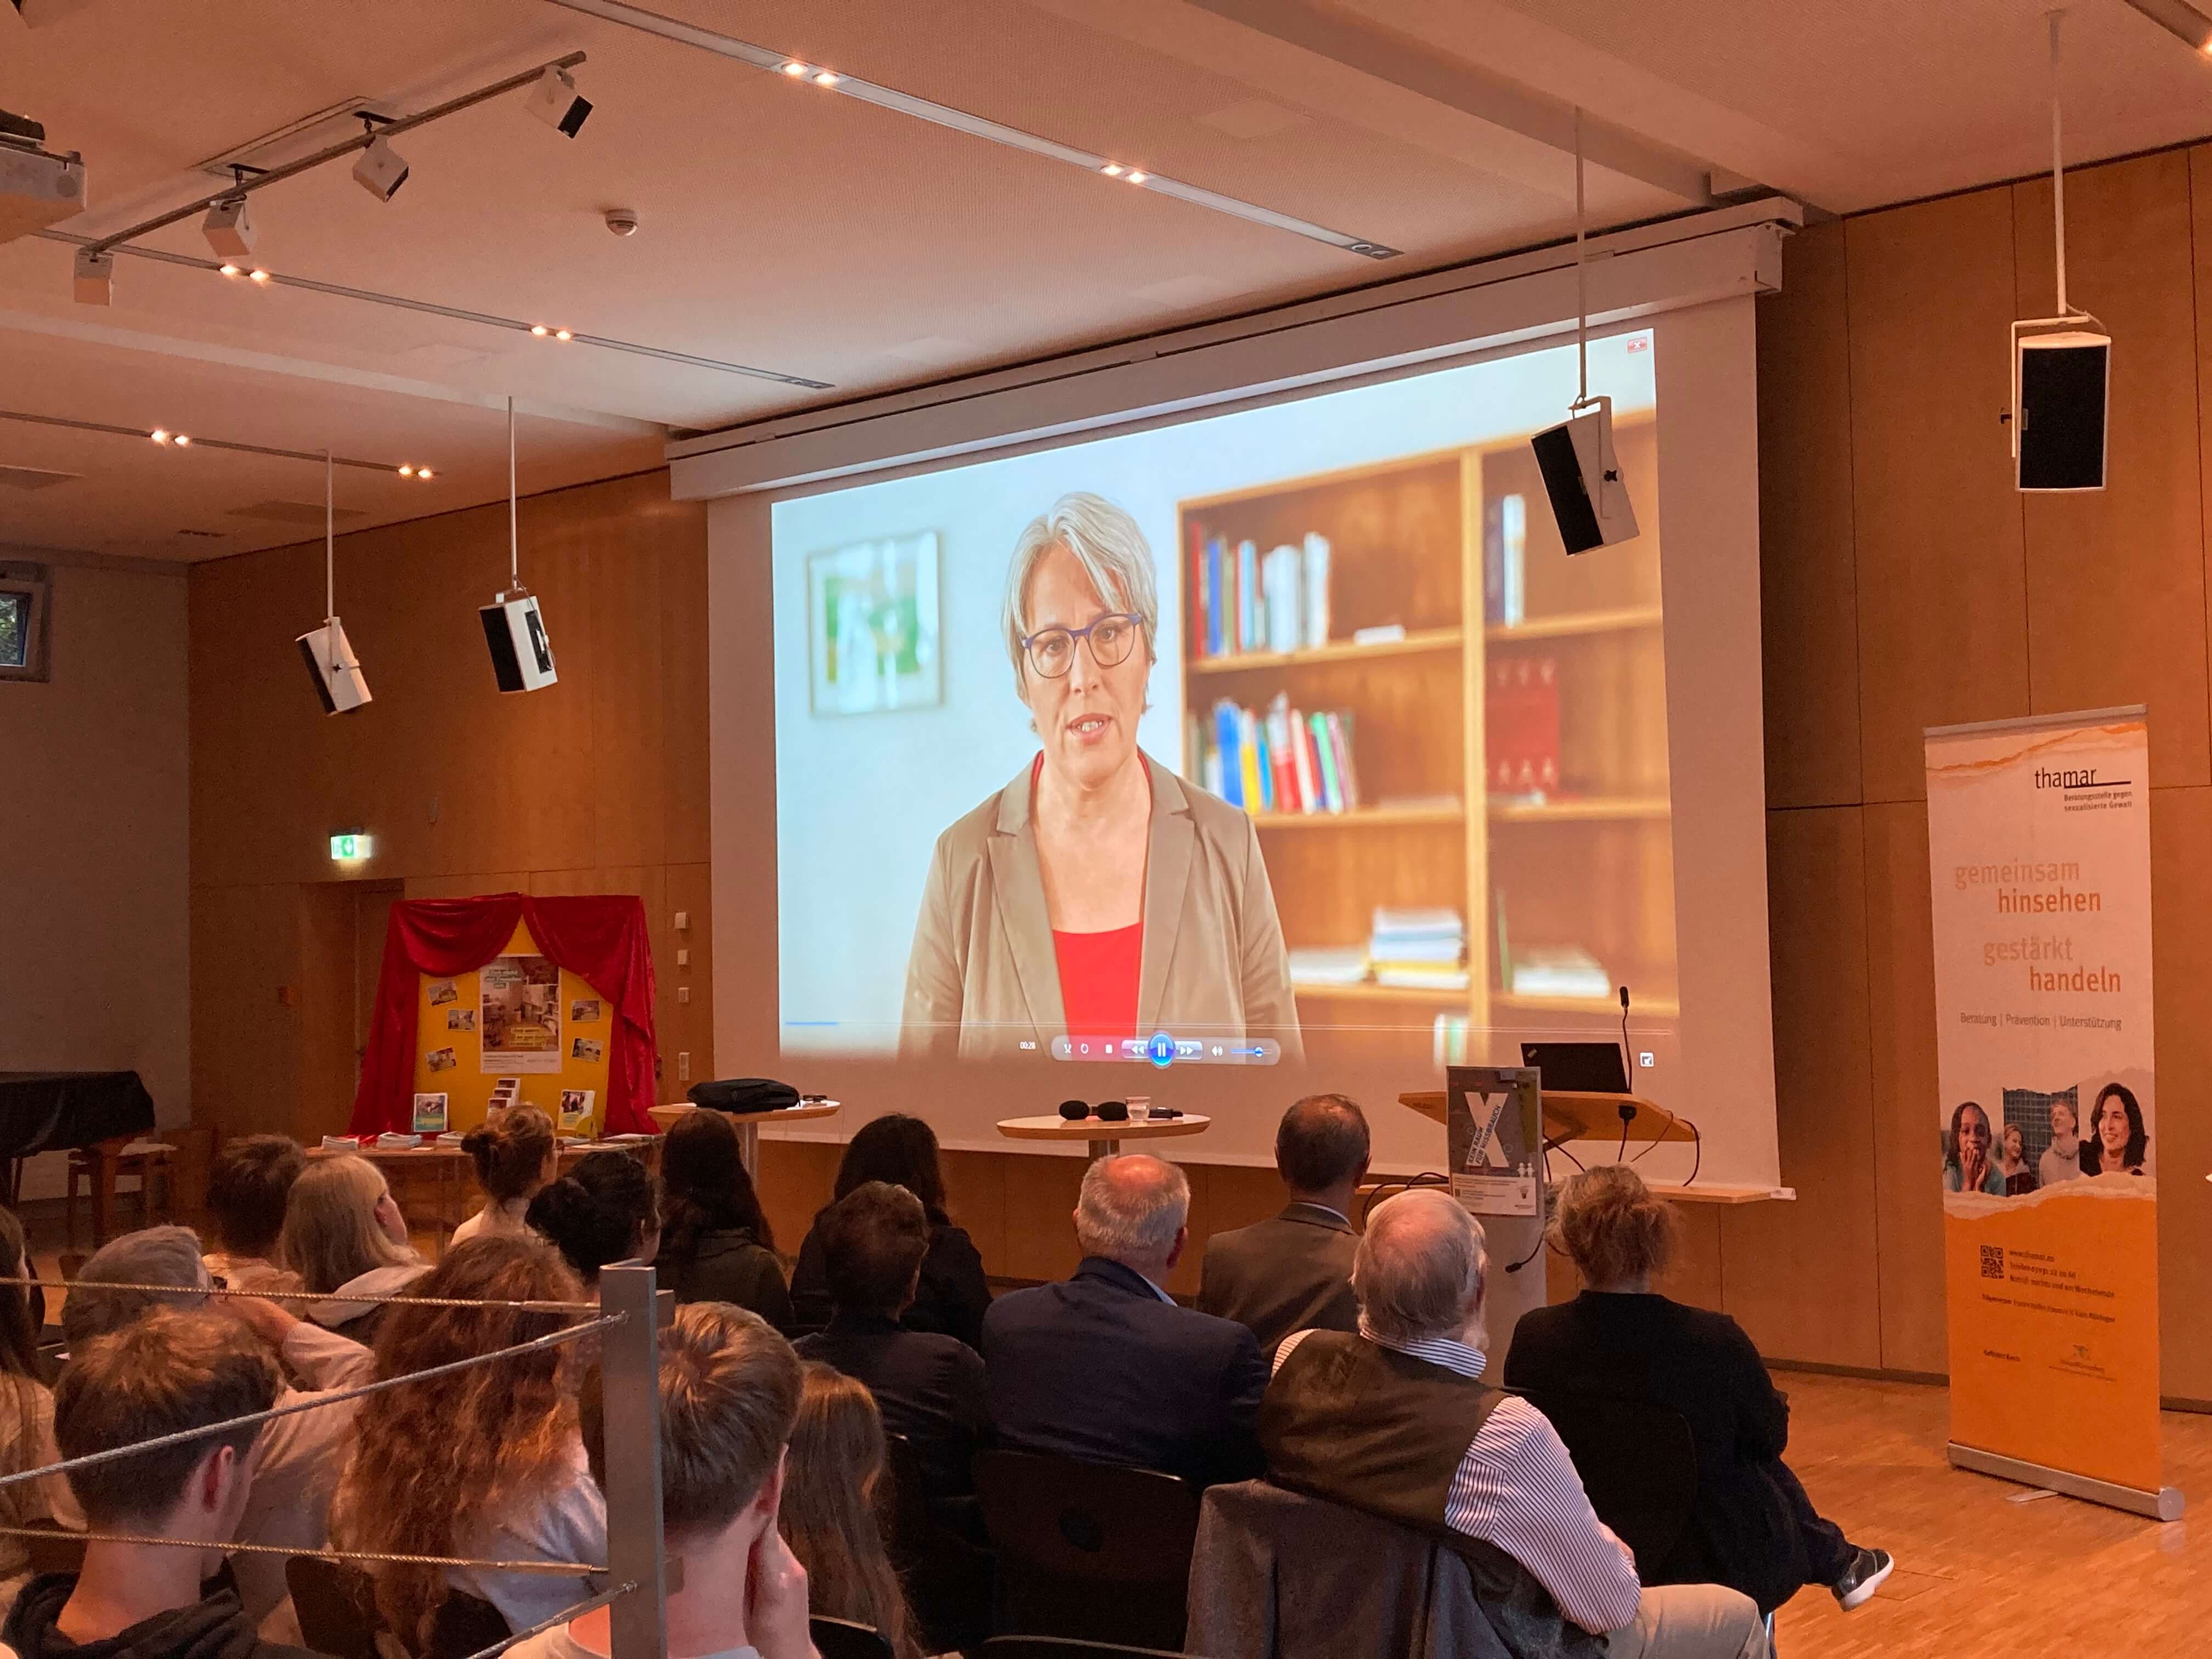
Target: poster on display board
[
  {"x": 519, "y": 999},
  {"x": 2038, "y": 839},
  {"x": 520, "y": 1029},
  {"x": 1493, "y": 1120}
]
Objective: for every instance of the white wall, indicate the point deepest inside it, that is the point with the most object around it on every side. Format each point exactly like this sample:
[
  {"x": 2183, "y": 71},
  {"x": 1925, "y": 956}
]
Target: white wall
[{"x": 93, "y": 827}]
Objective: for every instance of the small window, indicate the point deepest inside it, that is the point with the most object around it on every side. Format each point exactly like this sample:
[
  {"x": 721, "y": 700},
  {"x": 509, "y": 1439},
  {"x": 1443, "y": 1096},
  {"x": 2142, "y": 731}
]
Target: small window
[{"x": 26, "y": 592}]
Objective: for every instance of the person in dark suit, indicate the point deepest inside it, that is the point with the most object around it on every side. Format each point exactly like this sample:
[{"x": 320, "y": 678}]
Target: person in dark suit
[
  {"x": 1752, "y": 1526},
  {"x": 1106, "y": 1367},
  {"x": 928, "y": 1386},
  {"x": 1293, "y": 1272},
  {"x": 901, "y": 1151}
]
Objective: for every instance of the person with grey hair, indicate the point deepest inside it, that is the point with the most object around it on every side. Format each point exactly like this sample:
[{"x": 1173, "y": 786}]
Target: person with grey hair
[
  {"x": 1097, "y": 895},
  {"x": 1106, "y": 1367},
  {"x": 299, "y": 1455},
  {"x": 1395, "y": 1419}
]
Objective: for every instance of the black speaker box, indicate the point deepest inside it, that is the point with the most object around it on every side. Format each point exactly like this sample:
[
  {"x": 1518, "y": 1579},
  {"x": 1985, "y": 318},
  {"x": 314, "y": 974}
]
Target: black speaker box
[{"x": 2063, "y": 379}]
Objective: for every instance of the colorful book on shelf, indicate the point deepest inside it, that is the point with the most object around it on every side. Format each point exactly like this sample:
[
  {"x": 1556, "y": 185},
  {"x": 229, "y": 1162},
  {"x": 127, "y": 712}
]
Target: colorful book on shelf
[
  {"x": 1243, "y": 601},
  {"x": 1420, "y": 976},
  {"x": 1227, "y": 740},
  {"x": 1314, "y": 551},
  {"x": 1347, "y": 776},
  {"x": 1281, "y": 761},
  {"x": 1451, "y": 1030},
  {"x": 1215, "y": 643},
  {"x": 1332, "y": 794},
  {"x": 1504, "y": 560},
  {"x": 1521, "y": 725}
]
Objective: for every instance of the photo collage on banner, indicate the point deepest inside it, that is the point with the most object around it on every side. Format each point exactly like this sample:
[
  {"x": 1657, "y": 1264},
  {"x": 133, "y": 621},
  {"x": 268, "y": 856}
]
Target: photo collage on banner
[{"x": 2040, "y": 872}]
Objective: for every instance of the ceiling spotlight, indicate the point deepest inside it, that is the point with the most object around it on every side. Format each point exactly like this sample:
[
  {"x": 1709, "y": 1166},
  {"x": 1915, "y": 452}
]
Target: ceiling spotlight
[
  {"x": 422, "y": 472},
  {"x": 540, "y": 329},
  {"x": 1136, "y": 177},
  {"x": 229, "y": 227},
  {"x": 380, "y": 171},
  {"x": 562, "y": 334},
  {"x": 94, "y": 276},
  {"x": 405, "y": 470},
  {"x": 1112, "y": 169},
  {"x": 256, "y": 275},
  {"x": 230, "y": 271},
  {"x": 794, "y": 69},
  {"x": 827, "y": 79},
  {"x": 182, "y": 438},
  {"x": 555, "y": 101},
  {"x": 158, "y": 435}
]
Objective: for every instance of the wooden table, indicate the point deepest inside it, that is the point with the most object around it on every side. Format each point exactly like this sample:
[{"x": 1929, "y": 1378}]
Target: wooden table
[
  {"x": 1105, "y": 1138},
  {"x": 747, "y": 1124},
  {"x": 452, "y": 1169}
]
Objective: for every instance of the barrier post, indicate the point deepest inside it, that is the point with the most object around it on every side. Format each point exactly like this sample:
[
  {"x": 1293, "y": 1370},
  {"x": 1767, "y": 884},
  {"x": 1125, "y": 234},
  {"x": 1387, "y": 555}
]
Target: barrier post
[{"x": 630, "y": 1374}]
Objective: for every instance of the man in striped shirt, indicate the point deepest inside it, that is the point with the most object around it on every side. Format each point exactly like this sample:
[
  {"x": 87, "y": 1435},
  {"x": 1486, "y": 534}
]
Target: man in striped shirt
[{"x": 1397, "y": 1421}]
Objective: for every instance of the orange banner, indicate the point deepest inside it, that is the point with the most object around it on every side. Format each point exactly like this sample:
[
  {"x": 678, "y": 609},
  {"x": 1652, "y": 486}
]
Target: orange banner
[{"x": 2039, "y": 869}]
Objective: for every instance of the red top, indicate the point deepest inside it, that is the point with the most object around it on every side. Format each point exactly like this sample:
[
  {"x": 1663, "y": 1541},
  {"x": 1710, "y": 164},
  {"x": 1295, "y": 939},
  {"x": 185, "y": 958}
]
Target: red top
[
  {"x": 1098, "y": 981},
  {"x": 1098, "y": 972}
]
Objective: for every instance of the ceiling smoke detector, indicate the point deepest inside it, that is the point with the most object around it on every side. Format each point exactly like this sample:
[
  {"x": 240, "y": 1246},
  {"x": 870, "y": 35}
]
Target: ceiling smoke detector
[{"x": 623, "y": 220}]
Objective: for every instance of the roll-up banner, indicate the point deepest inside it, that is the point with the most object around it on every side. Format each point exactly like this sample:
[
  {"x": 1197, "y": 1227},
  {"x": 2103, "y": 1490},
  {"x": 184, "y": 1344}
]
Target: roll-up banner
[{"x": 2039, "y": 848}]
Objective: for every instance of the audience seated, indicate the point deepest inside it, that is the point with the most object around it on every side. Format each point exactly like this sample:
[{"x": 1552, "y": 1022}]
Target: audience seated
[
  {"x": 833, "y": 1504},
  {"x": 729, "y": 1392},
  {"x": 1293, "y": 1272},
  {"x": 248, "y": 1185},
  {"x": 516, "y": 1155},
  {"x": 166, "y": 1372},
  {"x": 343, "y": 1234},
  {"x": 901, "y": 1151},
  {"x": 716, "y": 1245},
  {"x": 605, "y": 1210},
  {"x": 1106, "y": 1367},
  {"x": 299, "y": 1456},
  {"x": 1395, "y": 1419},
  {"x": 928, "y": 1386},
  {"x": 486, "y": 1462},
  {"x": 26, "y": 1420},
  {"x": 1752, "y": 1528}
]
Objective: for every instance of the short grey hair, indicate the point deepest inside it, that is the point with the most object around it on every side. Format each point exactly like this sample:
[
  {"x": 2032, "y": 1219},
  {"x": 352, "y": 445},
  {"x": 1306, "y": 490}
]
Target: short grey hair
[
  {"x": 1114, "y": 554},
  {"x": 1132, "y": 1204},
  {"x": 1420, "y": 1270},
  {"x": 153, "y": 1255}
]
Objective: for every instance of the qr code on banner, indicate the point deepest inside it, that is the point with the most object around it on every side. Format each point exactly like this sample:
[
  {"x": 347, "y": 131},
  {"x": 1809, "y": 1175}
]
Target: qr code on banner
[{"x": 1993, "y": 1261}]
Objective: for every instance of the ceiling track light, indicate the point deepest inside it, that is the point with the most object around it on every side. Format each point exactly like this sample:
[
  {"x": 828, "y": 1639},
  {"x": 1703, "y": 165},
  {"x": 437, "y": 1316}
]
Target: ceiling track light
[
  {"x": 514, "y": 627},
  {"x": 429, "y": 308},
  {"x": 162, "y": 434},
  {"x": 2181, "y": 19},
  {"x": 959, "y": 120},
  {"x": 229, "y": 227},
  {"x": 380, "y": 171}
]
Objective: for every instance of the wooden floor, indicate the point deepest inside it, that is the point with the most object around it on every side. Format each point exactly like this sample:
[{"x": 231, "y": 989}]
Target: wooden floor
[{"x": 1979, "y": 1573}]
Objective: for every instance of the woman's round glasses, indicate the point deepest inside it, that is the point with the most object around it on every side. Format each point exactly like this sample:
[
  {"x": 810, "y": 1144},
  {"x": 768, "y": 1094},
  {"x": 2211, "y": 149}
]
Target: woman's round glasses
[{"x": 1052, "y": 650}]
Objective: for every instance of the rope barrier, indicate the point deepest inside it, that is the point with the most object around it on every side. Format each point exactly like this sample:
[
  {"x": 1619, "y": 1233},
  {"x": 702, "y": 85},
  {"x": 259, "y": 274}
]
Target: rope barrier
[
  {"x": 67, "y": 1534},
  {"x": 603, "y": 1599},
  {"x": 362, "y": 1297},
  {"x": 335, "y": 1396}
]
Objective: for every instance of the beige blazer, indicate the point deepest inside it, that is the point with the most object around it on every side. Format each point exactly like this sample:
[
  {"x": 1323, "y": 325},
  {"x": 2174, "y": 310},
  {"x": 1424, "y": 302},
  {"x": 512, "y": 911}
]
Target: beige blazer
[{"x": 983, "y": 978}]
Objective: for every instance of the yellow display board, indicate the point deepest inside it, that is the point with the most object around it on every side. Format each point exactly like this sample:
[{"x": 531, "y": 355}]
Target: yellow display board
[{"x": 518, "y": 1016}]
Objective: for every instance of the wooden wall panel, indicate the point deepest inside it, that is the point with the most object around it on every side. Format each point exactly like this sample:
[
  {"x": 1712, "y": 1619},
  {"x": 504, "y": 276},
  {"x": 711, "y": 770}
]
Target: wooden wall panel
[
  {"x": 1824, "y": 1088},
  {"x": 1941, "y": 583},
  {"x": 1907, "y": 1128},
  {"x": 683, "y": 670},
  {"x": 2115, "y": 577},
  {"x": 246, "y": 1038},
  {"x": 2181, "y": 947},
  {"x": 1807, "y": 581}
]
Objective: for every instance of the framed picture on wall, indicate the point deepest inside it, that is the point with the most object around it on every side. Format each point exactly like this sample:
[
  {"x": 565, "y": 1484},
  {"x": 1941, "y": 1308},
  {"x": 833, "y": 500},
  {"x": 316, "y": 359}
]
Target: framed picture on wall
[{"x": 873, "y": 642}]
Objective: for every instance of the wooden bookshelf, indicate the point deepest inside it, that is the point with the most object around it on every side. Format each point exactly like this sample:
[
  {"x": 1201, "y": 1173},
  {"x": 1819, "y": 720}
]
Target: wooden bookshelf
[{"x": 1592, "y": 866}]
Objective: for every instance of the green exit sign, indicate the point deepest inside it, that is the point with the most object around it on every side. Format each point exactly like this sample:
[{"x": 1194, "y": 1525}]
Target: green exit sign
[{"x": 348, "y": 848}]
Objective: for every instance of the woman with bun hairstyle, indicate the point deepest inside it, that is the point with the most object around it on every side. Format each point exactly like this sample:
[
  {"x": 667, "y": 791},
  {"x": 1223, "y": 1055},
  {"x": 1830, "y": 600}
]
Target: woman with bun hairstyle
[
  {"x": 1752, "y": 1528},
  {"x": 716, "y": 1245},
  {"x": 516, "y": 1158},
  {"x": 607, "y": 1209},
  {"x": 901, "y": 1151}
]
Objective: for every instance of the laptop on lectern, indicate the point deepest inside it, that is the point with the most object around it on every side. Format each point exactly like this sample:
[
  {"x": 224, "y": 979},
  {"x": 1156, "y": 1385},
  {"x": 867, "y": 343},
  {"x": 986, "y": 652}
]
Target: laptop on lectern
[{"x": 1595, "y": 1068}]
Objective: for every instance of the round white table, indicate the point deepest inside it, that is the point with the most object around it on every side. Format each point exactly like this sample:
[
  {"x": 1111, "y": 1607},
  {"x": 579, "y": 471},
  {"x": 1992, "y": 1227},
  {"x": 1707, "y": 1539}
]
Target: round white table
[{"x": 1103, "y": 1138}]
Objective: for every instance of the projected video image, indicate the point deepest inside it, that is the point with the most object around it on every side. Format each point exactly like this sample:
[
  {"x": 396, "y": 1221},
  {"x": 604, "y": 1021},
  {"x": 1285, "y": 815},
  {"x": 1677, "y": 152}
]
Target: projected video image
[{"x": 1285, "y": 731}]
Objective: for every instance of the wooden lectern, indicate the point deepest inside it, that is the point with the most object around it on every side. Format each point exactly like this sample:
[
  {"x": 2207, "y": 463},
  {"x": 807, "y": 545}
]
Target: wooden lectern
[{"x": 1574, "y": 1114}]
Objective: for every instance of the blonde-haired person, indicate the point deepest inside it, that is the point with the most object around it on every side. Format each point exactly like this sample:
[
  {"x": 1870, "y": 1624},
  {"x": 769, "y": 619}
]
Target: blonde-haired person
[
  {"x": 832, "y": 1504},
  {"x": 516, "y": 1155},
  {"x": 729, "y": 1393},
  {"x": 1096, "y": 894},
  {"x": 345, "y": 1234},
  {"x": 1752, "y": 1527},
  {"x": 26, "y": 1420},
  {"x": 487, "y": 1462}
]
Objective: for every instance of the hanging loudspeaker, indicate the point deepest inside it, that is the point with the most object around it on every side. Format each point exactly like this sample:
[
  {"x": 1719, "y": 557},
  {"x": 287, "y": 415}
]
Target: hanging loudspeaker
[
  {"x": 336, "y": 671},
  {"x": 2064, "y": 381},
  {"x": 521, "y": 655}
]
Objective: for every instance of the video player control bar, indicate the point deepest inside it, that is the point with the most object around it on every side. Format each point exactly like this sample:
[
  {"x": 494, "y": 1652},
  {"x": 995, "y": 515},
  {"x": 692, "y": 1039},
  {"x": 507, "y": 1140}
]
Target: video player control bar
[{"x": 1163, "y": 1049}]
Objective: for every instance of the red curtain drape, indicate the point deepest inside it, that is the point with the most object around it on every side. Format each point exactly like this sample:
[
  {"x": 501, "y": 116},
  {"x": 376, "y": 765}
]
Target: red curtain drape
[{"x": 601, "y": 940}]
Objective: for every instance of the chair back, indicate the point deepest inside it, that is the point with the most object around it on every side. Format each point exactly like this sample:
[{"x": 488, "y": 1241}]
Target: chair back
[
  {"x": 910, "y": 1527},
  {"x": 939, "y": 1552},
  {"x": 466, "y": 1624},
  {"x": 1638, "y": 1463},
  {"x": 841, "y": 1638},
  {"x": 1062, "y": 1647},
  {"x": 1092, "y": 1550},
  {"x": 335, "y": 1602}
]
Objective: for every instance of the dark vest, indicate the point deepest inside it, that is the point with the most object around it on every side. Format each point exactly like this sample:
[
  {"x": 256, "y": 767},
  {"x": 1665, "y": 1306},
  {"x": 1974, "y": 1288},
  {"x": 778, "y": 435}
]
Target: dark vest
[{"x": 1354, "y": 1422}]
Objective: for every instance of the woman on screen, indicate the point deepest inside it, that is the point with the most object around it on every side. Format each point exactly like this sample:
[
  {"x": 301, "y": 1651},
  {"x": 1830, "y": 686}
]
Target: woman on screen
[
  {"x": 1097, "y": 894},
  {"x": 2117, "y": 1142}
]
